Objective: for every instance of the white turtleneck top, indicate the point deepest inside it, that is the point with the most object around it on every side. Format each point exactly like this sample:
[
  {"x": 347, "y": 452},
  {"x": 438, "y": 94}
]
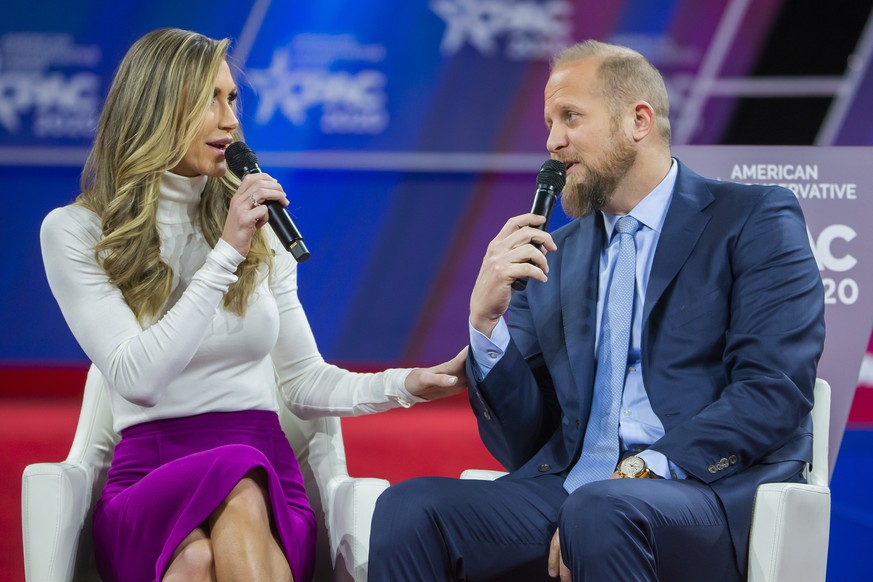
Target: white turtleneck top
[{"x": 197, "y": 357}]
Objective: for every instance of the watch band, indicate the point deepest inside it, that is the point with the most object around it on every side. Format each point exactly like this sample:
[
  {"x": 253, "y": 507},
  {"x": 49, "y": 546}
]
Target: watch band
[{"x": 634, "y": 467}]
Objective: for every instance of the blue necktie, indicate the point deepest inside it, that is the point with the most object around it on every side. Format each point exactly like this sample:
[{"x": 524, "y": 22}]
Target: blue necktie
[{"x": 600, "y": 449}]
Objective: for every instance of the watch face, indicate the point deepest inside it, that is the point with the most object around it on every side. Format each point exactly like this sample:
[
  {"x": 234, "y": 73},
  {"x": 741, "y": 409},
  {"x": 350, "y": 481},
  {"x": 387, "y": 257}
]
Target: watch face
[{"x": 632, "y": 466}]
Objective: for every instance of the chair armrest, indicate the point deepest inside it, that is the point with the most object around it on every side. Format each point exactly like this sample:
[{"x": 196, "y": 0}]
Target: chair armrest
[
  {"x": 55, "y": 499},
  {"x": 789, "y": 537},
  {"x": 348, "y": 513},
  {"x": 482, "y": 474}
]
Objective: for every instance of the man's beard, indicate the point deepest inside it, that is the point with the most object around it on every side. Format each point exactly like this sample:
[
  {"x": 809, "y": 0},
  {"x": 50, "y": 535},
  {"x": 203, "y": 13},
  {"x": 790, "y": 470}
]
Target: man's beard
[{"x": 593, "y": 190}]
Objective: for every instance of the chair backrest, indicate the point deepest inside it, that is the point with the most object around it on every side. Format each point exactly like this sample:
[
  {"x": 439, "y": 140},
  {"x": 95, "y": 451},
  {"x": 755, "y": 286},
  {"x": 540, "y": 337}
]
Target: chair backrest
[
  {"x": 817, "y": 473},
  {"x": 92, "y": 448},
  {"x": 317, "y": 443}
]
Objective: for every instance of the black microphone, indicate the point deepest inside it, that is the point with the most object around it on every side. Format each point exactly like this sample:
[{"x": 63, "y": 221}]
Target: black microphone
[
  {"x": 242, "y": 161},
  {"x": 550, "y": 181}
]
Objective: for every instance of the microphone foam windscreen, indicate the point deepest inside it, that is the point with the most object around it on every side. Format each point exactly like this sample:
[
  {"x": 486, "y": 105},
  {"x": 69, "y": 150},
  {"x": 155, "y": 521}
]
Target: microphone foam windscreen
[
  {"x": 240, "y": 158},
  {"x": 552, "y": 173}
]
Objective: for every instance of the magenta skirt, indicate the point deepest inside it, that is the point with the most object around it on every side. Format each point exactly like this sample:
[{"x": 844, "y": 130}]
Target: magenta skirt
[{"x": 168, "y": 476}]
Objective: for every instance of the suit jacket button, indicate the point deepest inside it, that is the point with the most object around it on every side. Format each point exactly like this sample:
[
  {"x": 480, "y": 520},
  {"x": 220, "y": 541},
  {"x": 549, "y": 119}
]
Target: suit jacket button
[
  {"x": 487, "y": 414},
  {"x": 723, "y": 464},
  {"x": 544, "y": 467},
  {"x": 712, "y": 469},
  {"x": 732, "y": 459}
]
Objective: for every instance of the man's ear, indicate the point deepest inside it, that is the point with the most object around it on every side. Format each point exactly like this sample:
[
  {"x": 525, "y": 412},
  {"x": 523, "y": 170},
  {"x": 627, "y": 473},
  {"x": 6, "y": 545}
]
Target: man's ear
[{"x": 644, "y": 120}]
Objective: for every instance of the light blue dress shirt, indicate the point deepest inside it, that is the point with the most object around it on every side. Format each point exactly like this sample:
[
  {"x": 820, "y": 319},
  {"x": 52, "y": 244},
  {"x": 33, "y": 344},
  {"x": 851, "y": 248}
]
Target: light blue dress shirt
[{"x": 639, "y": 427}]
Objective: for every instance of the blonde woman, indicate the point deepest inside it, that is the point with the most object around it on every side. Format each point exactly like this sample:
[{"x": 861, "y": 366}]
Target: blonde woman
[{"x": 172, "y": 287}]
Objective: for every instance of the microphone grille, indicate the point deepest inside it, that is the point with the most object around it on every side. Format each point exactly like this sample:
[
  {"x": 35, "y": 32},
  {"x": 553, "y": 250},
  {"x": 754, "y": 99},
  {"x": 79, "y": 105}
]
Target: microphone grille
[
  {"x": 240, "y": 158},
  {"x": 552, "y": 173}
]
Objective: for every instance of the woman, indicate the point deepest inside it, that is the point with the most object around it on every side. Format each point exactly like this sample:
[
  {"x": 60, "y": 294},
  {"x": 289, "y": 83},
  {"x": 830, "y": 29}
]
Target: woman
[{"x": 174, "y": 290}]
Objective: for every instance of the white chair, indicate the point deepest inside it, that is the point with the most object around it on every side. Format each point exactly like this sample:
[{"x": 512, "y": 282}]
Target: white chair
[
  {"x": 57, "y": 498},
  {"x": 791, "y": 521}
]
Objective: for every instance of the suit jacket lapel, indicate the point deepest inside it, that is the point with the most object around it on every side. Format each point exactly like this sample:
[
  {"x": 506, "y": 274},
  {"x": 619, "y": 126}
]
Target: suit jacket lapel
[
  {"x": 682, "y": 228},
  {"x": 579, "y": 276}
]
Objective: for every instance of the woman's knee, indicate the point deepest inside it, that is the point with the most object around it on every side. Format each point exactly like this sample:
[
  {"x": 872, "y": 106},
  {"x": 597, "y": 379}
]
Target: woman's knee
[
  {"x": 248, "y": 500},
  {"x": 194, "y": 560}
]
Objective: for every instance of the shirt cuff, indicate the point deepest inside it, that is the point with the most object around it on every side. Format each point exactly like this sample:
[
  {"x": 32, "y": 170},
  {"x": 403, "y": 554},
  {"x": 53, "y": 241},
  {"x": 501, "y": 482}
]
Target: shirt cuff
[
  {"x": 227, "y": 256},
  {"x": 401, "y": 395},
  {"x": 219, "y": 270},
  {"x": 488, "y": 351}
]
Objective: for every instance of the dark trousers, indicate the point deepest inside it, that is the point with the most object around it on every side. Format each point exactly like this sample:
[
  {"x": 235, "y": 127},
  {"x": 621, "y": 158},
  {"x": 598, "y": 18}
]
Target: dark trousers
[{"x": 439, "y": 529}]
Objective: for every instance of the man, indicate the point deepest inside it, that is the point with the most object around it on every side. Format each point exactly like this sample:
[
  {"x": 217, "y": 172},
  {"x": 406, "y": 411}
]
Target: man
[{"x": 671, "y": 335}]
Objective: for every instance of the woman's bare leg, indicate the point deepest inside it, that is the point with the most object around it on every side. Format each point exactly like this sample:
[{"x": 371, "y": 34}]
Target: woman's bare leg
[
  {"x": 242, "y": 537},
  {"x": 192, "y": 560}
]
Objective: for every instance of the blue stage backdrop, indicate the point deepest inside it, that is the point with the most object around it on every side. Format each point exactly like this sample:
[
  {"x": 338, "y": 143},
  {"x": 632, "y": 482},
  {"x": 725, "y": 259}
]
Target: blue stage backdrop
[{"x": 405, "y": 132}]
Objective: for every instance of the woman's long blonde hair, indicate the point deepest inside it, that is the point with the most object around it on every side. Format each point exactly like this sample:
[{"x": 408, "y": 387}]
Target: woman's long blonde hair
[{"x": 160, "y": 95}]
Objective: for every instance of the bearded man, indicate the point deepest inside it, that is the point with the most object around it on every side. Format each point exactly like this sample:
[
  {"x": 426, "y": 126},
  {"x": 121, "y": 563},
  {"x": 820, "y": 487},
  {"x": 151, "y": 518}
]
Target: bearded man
[{"x": 657, "y": 368}]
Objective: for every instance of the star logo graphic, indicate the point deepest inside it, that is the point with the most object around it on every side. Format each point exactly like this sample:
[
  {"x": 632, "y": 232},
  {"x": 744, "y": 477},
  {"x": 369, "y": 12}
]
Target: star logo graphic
[
  {"x": 470, "y": 21},
  {"x": 278, "y": 88},
  {"x": 526, "y": 29}
]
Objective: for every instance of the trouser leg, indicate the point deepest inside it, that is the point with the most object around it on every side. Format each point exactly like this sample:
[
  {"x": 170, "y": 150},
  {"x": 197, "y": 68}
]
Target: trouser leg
[
  {"x": 439, "y": 529},
  {"x": 645, "y": 530}
]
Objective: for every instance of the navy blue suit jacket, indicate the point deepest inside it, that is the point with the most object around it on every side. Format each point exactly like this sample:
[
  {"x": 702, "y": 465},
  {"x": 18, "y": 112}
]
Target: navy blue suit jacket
[{"x": 733, "y": 327}]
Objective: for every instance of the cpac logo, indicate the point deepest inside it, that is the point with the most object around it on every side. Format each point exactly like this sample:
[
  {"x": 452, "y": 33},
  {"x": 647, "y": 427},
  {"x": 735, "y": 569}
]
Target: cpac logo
[
  {"x": 829, "y": 258},
  {"x": 824, "y": 254},
  {"x": 350, "y": 102},
  {"x": 532, "y": 30},
  {"x": 61, "y": 105}
]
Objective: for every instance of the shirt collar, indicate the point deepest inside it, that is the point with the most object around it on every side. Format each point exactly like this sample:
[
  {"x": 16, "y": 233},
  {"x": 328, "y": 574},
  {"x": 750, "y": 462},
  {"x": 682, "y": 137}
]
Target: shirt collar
[
  {"x": 652, "y": 209},
  {"x": 180, "y": 198}
]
